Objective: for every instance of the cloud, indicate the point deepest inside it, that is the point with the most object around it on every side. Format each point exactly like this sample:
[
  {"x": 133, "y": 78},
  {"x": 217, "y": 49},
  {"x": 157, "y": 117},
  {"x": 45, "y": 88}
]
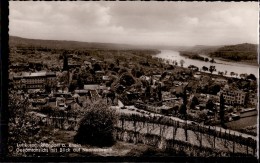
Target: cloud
[{"x": 169, "y": 23}]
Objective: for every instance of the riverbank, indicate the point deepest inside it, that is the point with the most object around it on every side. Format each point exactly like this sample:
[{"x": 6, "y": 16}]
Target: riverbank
[
  {"x": 220, "y": 65},
  {"x": 196, "y": 56},
  {"x": 245, "y": 62},
  {"x": 208, "y": 58}
]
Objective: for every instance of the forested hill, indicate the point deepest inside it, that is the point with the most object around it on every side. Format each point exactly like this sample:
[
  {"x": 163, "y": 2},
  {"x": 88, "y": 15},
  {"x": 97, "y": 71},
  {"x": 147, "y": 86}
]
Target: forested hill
[
  {"x": 239, "y": 52},
  {"x": 15, "y": 41},
  {"x": 203, "y": 49}
]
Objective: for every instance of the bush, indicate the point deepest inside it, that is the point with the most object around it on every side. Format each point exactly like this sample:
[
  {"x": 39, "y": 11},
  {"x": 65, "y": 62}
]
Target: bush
[{"x": 97, "y": 126}]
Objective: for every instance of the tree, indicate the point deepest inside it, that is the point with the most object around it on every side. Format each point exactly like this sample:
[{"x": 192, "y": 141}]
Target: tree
[
  {"x": 210, "y": 105},
  {"x": 64, "y": 77},
  {"x": 159, "y": 92},
  {"x": 202, "y": 116},
  {"x": 111, "y": 66},
  {"x": 251, "y": 76},
  {"x": 73, "y": 85},
  {"x": 47, "y": 88},
  {"x": 127, "y": 79},
  {"x": 117, "y": 62},
  {"x": 194, "y": 102},
  {"x": 222, "y": 110},
  {"x": 242, "y": 76},
  {"x": 147, "y": 92},
  {"x": 123, "y": 70},
  {"x": 220, "y": 73},
  {"x": 97, "y": 126},
  {"x": 232, "y": 73},
  {"x": 192, "y": 105},
  {"x": 97, "y": 67},
  {"x": 204, "y": 68},
  {"x": 50, "y": 85},
  {"x": 214, "y": 89},
  {"x": 163, "y": 75},
  {"x": 212, "y": 68},
  {"x": 22, "y": 127},
  {"x": 183, "y": 108},
  {"x": 182, "y": 62},
  {"x": 212, "y": 60}
]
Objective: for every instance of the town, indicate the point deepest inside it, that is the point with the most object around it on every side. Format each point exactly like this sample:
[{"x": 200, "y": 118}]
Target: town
[
  {"x": 148, "y": 83},
  {"x": 132, "y": 82}
]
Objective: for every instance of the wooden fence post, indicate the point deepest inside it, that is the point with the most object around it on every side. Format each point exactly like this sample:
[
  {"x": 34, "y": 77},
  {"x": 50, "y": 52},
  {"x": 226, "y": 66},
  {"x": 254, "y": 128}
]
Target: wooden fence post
[
  {"x": 144, "y": 120},
  {"x": 214, "y": 140},
  {"x": 225, "y": 137},
  {"x": 209, "y": 132},
  {"x": 173, "y": 130},
  {"x": 123, "y": 122},
  {"x": 254, "y": 149},
  {"x": 233, "y": 143},
  {"x": 186, "y": 132},
  {"x": 247, "y": 147}
]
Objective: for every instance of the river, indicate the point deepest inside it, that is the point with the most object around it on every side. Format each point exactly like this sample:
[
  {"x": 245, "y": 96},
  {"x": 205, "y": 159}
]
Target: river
[{"x": 220, "y": 65}]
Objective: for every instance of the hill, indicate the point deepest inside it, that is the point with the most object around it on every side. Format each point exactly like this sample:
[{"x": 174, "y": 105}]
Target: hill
[
  {"x": 203, "y": 49},
  {"x": 245, "y": 52},
  {"x": 15, "y": 41},
  {"x": 239, "y": 52}
]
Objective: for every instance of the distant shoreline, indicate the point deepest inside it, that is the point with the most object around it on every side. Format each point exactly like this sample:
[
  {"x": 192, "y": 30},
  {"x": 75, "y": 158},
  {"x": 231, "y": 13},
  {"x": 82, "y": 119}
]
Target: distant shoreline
[{"x": 245, "y": 62}]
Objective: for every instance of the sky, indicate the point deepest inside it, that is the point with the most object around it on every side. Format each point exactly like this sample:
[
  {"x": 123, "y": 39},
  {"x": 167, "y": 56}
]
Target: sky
[{"x": 137, "y": 23}]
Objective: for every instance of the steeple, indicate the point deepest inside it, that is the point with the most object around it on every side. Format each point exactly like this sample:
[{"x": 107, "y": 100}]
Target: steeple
[{"x": 65, "y": 62}]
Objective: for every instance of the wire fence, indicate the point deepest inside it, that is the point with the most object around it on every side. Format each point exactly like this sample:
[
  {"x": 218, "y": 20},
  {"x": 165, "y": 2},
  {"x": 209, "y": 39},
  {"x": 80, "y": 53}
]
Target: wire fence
[{"x": 167, "y": 134}]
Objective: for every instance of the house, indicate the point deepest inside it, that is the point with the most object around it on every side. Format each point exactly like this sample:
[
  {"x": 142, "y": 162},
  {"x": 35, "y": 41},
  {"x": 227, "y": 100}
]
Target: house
[
  {"x": 62, "y": 94},
  {"x": 166, "y": 110},
  {"x": 73, "y": 66},
  {"x": 88, "y": 64},
  {"x": 220, "y": 80},
  {"x": 91, "y": 87},
  {"x": 143, "y": 77},
  {"x": 39, "y": 102},
  {"x": 36, "y": 80},
  {"x": 252, "y": 99},
  {"x": 74, "y": 105},
  {"x": 233, "y": 96},
  {"x": 99, "y": 76},
  {"x": 131, "y": 65},
  {"x": 19, "y": 66},
  {"x": 106, "y": 78},
  {"x": 197, "y": 76},
  {"x": 82, "y": 92},
  {"x": 157, "y": 77}
]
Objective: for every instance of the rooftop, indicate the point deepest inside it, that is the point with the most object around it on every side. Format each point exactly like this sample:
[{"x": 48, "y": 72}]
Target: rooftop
[
  {"x": 91, "y": 87},
  {"x": 34, "y": 74}
]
